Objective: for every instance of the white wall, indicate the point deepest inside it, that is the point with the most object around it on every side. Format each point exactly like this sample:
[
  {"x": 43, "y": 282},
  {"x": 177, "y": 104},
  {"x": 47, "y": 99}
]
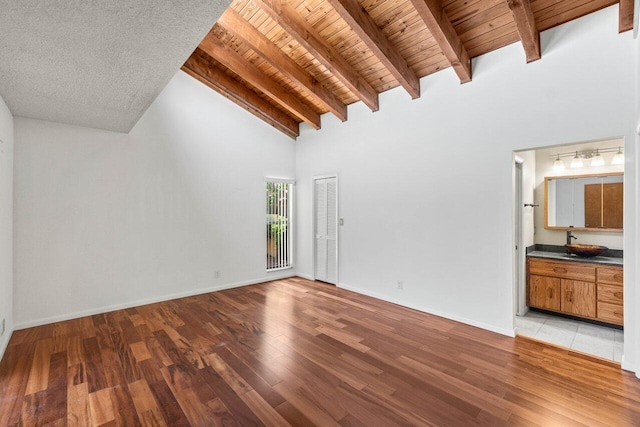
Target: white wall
[
  {"x": 426, "y": 185},
  {"x": 6, "y": 223},
  {"x": 544, "y": 168},
  {"x": 105, "y": 220}
]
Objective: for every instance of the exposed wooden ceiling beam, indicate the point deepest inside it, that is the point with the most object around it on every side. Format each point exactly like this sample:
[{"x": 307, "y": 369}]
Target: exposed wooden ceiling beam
[
  {"x": 304, "y": 33},
  {"x": 368, "y": 31},
  {"x": 526, "y": 25},
  {"x": 270, "y": 52},
  {"x": 231, "y": 59},
  {"x": 445, "y": 35},
  {"x": 232, "y": 89},
  {"x": 625, "y": 20}
]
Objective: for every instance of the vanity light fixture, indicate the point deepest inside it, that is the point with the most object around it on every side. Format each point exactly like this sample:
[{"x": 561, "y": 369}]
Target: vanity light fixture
[
  {"x": 558, "y": 164},
  {"x": 597, "y": 159},
  {"x": 618, "y": 159},
  {"x": 593, "y": 156},
  {"x": 576, "y": 162}
]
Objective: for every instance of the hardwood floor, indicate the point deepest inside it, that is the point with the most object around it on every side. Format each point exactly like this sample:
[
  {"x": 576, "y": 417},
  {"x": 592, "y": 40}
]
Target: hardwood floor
[{"x": 296, "y": 352}]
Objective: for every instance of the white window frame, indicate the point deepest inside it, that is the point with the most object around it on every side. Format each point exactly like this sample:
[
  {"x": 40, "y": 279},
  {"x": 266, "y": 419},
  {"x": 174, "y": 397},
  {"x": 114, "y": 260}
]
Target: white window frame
[{"x": 289, "y": 246}]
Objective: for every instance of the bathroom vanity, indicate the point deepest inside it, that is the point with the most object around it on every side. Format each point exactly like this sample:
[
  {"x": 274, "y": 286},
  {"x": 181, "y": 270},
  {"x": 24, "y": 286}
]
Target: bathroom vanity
[{"x": 589, "y": 288}]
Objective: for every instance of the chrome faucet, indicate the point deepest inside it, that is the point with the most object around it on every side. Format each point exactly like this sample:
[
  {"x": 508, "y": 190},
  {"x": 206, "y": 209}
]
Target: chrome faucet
[{"x": 569, "y": 237}]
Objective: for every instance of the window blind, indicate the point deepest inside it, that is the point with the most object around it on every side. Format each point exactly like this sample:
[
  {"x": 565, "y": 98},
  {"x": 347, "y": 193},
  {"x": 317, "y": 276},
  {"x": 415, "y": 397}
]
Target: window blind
[{"x": 279, "y": 224}]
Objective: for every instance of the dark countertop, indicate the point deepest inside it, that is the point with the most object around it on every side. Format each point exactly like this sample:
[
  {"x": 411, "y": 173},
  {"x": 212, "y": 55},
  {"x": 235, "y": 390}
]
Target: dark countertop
[{"x": 605, "y": 260}]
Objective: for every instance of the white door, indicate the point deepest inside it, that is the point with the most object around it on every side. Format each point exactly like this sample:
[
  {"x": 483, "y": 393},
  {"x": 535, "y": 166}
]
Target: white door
[{"x": 326, "y": 229}]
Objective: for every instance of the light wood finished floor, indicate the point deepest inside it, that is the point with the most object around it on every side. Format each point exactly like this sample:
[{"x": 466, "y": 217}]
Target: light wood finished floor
[{"x": 300, "y": 353}]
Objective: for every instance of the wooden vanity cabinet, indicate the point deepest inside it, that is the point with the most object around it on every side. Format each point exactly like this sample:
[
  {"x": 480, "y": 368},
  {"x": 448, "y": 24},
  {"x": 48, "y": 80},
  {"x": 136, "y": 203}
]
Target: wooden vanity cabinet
[
  {"x": 610, "y": 295},
  {"x": 579, "y": 289}
]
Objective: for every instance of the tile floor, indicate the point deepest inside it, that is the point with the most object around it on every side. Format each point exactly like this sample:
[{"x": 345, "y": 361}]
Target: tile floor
[{"x": 600, "y": 341}]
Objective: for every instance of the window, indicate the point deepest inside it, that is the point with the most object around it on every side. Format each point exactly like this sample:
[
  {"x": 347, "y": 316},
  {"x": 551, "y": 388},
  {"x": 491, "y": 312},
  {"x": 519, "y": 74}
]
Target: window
[{"x": 279, "y": 224}]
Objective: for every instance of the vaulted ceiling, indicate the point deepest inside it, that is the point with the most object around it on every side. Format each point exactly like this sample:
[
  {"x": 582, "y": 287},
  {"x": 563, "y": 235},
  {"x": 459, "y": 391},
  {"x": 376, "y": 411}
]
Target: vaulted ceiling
[
  {"x": 95, "y": 63},
  {"x": 290, "y": 62}
]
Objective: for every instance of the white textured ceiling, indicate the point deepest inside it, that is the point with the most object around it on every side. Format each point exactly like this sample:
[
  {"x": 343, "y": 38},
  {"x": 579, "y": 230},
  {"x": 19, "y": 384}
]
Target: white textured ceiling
[{"x": 97, "y": 63}]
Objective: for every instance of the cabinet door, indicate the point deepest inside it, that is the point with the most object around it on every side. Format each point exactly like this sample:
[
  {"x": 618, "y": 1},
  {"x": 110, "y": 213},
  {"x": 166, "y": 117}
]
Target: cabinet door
[
  {"x": 579, "y": 298},
  {"x": 603, "y": 205},
  {"x": 544, "y": 292},
  {"x": 593, "y": 205},
  {"x": 612, "y": 205}
]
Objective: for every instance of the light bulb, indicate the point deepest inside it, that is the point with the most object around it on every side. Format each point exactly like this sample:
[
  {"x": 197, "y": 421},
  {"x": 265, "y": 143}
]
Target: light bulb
[
  {"x": 576, "y": 162},
  {"x": 558, "y": 164},
  {"x": 618, "y": 159},
  {"x": 597, "y": 160}
]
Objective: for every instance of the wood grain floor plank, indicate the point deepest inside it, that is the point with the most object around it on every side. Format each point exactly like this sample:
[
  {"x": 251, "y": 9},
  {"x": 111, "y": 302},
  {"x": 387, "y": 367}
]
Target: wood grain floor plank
[
  {"x": 39, "y": 374},
  {"x": 94, "y": 370},
  {"x": 101, "y": 407},
  {"x": 143, "y": 399},
  {"x": 197, "y": 412},
  {"x": 301, "y": 353},
  {"x": 250, "y": 376},
  {"x": 171, "y": 411},
  {"x": 14, "y": 374},
  {"x": 152, "y": 418},
  {"x": 293, "y": 415},
  {"x": 316, "y": 415},
  {"x": 265, "y": 412},
  {"x": 234, "y": 403},
  {"x": 140, "y": 351},
  {"x": 78, "y": 412},
  {"x": 123, "y": 406}
]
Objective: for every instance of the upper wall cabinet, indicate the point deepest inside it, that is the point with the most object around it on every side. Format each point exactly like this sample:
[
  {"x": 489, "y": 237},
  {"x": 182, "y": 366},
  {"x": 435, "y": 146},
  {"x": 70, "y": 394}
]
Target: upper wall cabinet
[{"x": 584, "y": 202}]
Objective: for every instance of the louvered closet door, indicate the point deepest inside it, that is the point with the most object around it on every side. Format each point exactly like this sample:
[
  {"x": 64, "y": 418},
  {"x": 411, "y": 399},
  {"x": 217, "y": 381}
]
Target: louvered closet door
[{"x": 326, "y": 229}]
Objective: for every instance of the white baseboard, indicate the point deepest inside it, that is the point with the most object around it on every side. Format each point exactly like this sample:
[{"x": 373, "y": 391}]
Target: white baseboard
[
  {"x": 488, "y": 327},
  {"x": 106, "y": 309},
  {"x": 305, "y": 276},
  {"x": 628, "y": 366}
]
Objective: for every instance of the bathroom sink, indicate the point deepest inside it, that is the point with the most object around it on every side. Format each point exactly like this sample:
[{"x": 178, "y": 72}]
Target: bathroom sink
[{"x": 586, "y": 250}]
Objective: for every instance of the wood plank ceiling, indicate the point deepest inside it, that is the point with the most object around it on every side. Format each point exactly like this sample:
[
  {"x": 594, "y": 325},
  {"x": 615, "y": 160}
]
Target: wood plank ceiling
[{"x": 289, "y": 62}]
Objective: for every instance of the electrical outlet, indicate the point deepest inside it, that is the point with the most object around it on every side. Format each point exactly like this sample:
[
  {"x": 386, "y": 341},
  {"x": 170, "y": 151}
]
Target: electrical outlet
[
  {"x": 216, "y": 274},
  {"x": 400, "y": 284}
]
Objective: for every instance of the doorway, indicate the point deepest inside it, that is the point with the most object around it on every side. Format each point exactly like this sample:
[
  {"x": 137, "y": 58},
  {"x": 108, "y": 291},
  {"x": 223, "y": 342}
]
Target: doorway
[
  {"x": 540, "y": 235},
  {"x": 325, "y": 228}
]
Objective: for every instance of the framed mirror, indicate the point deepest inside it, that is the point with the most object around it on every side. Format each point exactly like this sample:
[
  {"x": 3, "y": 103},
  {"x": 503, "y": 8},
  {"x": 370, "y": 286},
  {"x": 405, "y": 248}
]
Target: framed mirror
[{"x": 584, "y": 202}]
